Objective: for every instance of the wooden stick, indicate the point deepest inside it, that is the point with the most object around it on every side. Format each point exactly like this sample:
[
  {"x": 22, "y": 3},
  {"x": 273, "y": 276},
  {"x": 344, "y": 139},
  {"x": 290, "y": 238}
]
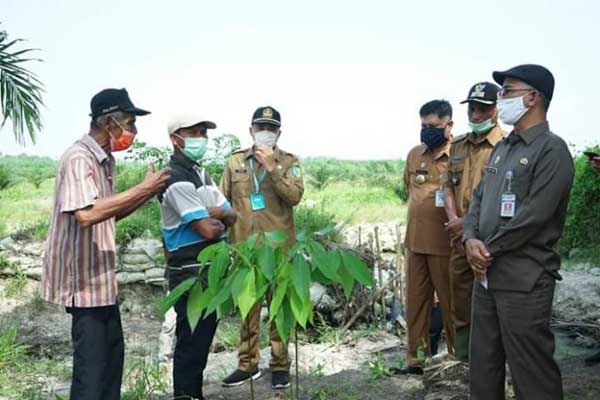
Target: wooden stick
[
  {"x": 367, "y": 304},
  {"x": 378, "y": 261},
  {"x": 400, "y": 265}
]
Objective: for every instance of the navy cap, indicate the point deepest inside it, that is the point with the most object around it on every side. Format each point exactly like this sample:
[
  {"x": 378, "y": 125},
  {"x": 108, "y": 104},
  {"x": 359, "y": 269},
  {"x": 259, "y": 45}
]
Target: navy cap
[
  {"x": 111, "y": 100},
  {"x": 483, "y": 92},
  {"x": 266, "y": 115},
  {"x": 536, "y": 76}
]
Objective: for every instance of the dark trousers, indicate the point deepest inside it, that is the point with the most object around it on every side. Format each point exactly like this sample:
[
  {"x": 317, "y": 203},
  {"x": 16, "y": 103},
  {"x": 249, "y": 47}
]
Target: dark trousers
[
  {"x": 435, "y": 328},
  {"x": 98, "y": 351},
  {"x": 513, "y": 327},
  {"x": 191, "y": 352}
]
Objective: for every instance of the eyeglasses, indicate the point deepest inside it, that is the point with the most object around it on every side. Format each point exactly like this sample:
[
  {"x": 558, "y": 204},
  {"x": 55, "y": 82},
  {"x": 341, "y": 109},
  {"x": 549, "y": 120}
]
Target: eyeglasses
[{"x": 505, "y": 90}]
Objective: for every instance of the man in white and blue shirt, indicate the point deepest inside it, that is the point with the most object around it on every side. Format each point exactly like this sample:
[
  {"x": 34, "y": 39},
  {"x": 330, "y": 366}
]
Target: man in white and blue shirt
[{"x": 194, "y": 215}]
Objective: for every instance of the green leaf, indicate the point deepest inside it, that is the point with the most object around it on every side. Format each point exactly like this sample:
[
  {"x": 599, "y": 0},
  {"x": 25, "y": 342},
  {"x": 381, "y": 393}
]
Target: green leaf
[
  {"x": 347, "y": 281},
  {"x": 170, "y": 300},
  {"x": 238, "y": 283},
  {"x": 262, "y": 284},
  {"x": 300, "y": 308},
  {"x": 219, "y": 298},
  {"x": 276, "y": 238},
  {"x": 325, "y": 231},
  {"x": 328, "y": 264},
  {"x": 196, "y": 304},
  {"x": 284, "y": 321},
  {"x": 301, "y": 277},
  {"x": 209, "y": 253},
  {"x": 218, "y": 268},
  {"x": 247, "y": 297},
  {"x": 225, "y": 308},
  {"x": 277, "y": 299},
  {"x": 266, "y": 260},
  {"x": 251, "y": 241},
  {"x": 358, "y": 269}
]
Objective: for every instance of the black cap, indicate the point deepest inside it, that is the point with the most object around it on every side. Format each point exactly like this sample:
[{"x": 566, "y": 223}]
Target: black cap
[
  {"x": 266, "y": 115},
  {"x": 111, "y": 100},
  {"x": 483, "y": 92},
  {"x": 535, "y": 75}
]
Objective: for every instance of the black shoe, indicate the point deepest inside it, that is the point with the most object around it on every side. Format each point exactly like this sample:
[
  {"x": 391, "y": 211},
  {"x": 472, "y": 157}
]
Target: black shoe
[
  {"x": 240, "y": 377},
  {"x": 280, "y": 379},
  {"x": 407, "y": 371}
]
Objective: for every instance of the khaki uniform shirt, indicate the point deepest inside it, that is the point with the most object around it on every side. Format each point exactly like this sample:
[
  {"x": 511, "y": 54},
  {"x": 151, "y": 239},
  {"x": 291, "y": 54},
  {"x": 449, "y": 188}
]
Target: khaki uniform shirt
[
  {"x": 283, "y": 189},
  {"x": 525, "y": 245},
  {"x": 469, "y": 155},
  {"x": 424, "y": 175}
]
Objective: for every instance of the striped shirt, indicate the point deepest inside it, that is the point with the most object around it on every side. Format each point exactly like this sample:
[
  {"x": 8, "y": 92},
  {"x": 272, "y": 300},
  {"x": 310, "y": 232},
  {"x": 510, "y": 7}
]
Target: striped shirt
[{"x": 79, "y": 263}]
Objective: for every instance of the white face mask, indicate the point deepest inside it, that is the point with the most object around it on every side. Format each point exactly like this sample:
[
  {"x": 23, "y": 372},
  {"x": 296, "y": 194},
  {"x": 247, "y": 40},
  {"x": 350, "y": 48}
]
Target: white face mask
[
  {"x": 510, "y": 111},
  {"x": 265, "y": 138}
]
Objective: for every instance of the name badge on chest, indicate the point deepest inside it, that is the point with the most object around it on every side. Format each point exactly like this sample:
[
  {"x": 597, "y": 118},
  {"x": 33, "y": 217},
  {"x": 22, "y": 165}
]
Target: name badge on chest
[
  {"x": 439, "y": 197},
  {"x": 257, "y": 201},
  {"x": 508, "y": 203}
]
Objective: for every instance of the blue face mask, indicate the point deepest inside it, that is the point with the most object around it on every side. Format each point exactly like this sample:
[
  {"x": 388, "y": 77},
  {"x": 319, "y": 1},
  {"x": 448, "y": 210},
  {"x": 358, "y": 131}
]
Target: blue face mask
[
  {"x": 194, "y": 148},
  {"x": 433, "y": 137}
]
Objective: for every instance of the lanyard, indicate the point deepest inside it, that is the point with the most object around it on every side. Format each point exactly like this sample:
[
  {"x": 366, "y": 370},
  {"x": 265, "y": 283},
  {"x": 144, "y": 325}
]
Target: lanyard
[{"x": 257, "y": 180}]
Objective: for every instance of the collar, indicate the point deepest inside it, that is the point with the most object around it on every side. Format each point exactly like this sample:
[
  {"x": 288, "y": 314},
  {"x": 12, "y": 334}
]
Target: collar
[
  {"x": 250, "y": 153},
  {"x": 183, "y": 161},
  {"x": 438, "y": 153},
  {"x": 88, "y": 141},
  {"x": 529, "y": 135},
  {"x": 493, "y": 136}
]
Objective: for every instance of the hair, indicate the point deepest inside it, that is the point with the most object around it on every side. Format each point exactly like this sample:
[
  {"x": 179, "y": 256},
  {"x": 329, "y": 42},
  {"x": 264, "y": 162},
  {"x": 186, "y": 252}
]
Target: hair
[
  {"x": 100, "y": 121},
  {"x": 441, "y": 108}
]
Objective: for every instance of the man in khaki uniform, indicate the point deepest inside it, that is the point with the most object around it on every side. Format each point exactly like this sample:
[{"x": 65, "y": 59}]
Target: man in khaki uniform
[
  {"x": 263, "y": 183},
  {"x": 469, "y": 155},
  {"x": 427, "y": 242}
]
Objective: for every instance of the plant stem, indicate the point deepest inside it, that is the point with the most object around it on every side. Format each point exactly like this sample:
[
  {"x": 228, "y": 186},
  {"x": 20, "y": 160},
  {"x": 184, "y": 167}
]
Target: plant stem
[
  {"x": 297, "y": 374},
  {"x": 251, "y": 388}
]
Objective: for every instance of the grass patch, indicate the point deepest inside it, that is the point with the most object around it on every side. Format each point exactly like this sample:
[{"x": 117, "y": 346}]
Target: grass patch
[
  {"x": 15, "y": 285},
  {"x": 22, "y": 372},
  {"x": 358, "y": 202},
  {"x": 142, "y": 379}
]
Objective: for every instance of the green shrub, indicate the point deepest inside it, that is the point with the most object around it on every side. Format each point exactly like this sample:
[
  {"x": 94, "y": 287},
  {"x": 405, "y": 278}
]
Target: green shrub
[
  {"x": 37, "y": 230},
  {"x": 145, "y": 221},
  {"x": 5, "y": 179},
  {"x": 310, "y": 219},
  {"x": 583, "y": 217}
]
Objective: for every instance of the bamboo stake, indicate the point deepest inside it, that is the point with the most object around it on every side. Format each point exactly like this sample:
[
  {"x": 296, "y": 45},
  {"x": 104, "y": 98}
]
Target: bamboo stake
[{"x": 379, "y": 265}]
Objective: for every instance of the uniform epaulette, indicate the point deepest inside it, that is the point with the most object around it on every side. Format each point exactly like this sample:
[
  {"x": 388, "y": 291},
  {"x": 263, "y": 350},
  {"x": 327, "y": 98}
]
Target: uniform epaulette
[
  {"x": 241, "y": 151},
  {"x": 459, "y": 138}
]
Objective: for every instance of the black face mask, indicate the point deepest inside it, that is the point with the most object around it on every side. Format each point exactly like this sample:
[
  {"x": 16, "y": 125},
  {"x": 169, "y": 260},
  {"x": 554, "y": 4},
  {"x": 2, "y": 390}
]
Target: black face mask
[{"x": 433, "y": 137}]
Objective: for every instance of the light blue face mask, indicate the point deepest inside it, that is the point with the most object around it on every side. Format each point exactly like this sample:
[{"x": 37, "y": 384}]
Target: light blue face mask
[
  {"x": 194, "y": 148},
  {"x": 481, "y": 127}
]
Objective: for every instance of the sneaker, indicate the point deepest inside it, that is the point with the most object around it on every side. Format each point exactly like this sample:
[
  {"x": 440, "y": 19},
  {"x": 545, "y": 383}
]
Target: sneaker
[
  {"x": 407, "y": 371},
  {"x": 240, "y": 377},
  {"x": 280, "y": 380}
]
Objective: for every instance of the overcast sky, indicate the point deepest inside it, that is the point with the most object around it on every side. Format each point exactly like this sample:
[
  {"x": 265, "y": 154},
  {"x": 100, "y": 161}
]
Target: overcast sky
[{"x": 347, "y": 76}]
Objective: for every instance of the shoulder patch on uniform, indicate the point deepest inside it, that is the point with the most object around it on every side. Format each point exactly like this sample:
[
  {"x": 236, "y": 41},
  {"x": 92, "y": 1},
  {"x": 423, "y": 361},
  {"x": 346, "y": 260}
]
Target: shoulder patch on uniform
[
  {"x": 296, "y": 171},
  {"x": 240, "y": 151},
  {"x": 460, "y": 138}
]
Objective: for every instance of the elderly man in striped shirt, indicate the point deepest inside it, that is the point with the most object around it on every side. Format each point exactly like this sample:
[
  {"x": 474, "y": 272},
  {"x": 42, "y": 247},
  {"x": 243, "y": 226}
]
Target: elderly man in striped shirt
[{"x": 79, "y": 262}]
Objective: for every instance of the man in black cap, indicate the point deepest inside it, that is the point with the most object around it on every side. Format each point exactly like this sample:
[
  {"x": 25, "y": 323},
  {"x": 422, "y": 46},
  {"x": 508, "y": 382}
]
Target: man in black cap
[
  {"x": 263, "y": 184},
  {"x": 79, "y": 261},
  {"x": 510, "y": 233},
  {"x": 469, "y": 154}
]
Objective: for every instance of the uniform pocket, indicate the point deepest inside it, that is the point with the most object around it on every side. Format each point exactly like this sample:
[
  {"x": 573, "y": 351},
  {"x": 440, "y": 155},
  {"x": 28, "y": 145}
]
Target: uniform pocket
[
  {"x": 241, "y": 185},
  {"x": 456, "y": 171}
]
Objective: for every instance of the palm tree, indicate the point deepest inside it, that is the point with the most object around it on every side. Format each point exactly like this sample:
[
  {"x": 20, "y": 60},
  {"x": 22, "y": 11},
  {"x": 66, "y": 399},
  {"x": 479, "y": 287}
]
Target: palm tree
[{"x": 20, "y": 91}]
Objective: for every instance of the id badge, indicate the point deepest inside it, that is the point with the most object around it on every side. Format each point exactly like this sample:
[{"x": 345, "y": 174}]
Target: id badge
[
  {"x": 439, "y": 198},
  {"x": 508, "y": 205},
  {"x": 257, "y": 201}
]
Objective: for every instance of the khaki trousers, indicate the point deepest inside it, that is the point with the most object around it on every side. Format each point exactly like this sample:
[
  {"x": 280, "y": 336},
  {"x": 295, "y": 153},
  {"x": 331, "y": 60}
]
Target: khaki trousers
[
  {"x": 426, "y": 273},
  {"x": 249, "y": 351}
]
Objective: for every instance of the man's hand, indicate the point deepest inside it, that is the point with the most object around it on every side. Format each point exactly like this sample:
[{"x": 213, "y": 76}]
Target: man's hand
[
  {"x": 455, "y": 226},
  {"x": 216, "y": 212},
  {"x": 155, "y": 181},
  {"x": 478, "y": 256},
  {"x": 265, "y": 156},
  {"x": 595, "y": 164}
]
